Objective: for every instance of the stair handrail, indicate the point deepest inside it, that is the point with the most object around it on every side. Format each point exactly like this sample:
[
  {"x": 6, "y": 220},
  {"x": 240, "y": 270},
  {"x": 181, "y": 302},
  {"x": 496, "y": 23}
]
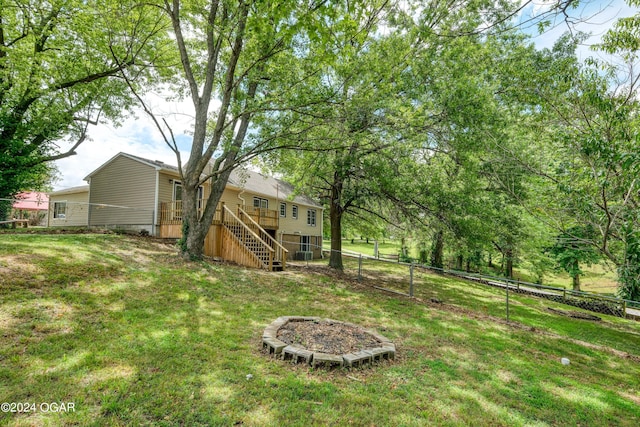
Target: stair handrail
[
  {"x": 243, "y": 246},
  {"x": 246, "y": 227},
  {"x": 275, "y": 242}
]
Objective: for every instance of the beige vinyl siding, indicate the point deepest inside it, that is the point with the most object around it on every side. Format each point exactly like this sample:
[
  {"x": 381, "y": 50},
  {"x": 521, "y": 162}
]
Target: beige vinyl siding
[
  {"x": 165, "y": 187},
  {"x": 77, "y": 210},
  {"x": 123, "y": 194},
  {"x": 289, "y": 225},
  {"x": 230, "y": 198}
]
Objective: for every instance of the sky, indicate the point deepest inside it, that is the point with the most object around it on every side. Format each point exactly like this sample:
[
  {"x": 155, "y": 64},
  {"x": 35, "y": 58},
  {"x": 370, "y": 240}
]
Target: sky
[
  {"x": 138, "y": 136},
  {"x": 591, "y": 16}
]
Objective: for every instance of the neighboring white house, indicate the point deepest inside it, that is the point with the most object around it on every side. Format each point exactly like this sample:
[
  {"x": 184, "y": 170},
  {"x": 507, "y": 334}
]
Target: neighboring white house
[{"x": 69, "y": 207}]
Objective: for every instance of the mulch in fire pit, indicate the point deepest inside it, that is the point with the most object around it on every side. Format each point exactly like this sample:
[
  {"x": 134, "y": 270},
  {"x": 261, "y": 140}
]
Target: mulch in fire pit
[{"x": 327, "y": 337}]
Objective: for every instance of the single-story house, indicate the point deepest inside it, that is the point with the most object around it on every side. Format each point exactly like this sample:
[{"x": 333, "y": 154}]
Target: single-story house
[
  {"x": 69, "y": 207},
  {"x": 132, "y": 193}
]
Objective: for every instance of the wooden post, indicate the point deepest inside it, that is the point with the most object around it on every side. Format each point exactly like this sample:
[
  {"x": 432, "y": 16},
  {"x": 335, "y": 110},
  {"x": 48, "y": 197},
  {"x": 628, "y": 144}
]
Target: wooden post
[
  {"x": 222, "y": 212},
  {"x": 507, "y": 301},
  {"x": 411, "y": 280}
]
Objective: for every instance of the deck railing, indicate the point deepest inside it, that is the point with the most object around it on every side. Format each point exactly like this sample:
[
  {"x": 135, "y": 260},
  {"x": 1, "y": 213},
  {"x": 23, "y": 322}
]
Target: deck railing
[
  {"x": 267, "y": 218},
  {"x": 249, "y": 238},
  {"x": 171, "y": 214},
  {"x": 280, "y": 251},
  {"x": 246, "y": 227}
]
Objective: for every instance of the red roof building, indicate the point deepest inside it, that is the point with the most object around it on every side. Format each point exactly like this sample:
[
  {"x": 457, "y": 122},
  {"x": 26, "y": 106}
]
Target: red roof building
[{"x": 31, "y": 205}]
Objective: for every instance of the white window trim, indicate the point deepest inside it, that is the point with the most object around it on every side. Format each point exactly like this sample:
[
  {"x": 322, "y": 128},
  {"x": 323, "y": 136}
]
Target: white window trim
[
  {"x": 260, "y": 201},
  {"x": 283, "y": 205},
  {"x": 56, "y": 213},
  {"x": 305, "y": 246},
  {"x": 294, "y": 211},
  {"x": 311, "y": 217},
  {"x": 177, "y": 214},
  {"x": 177, "y": 184}
]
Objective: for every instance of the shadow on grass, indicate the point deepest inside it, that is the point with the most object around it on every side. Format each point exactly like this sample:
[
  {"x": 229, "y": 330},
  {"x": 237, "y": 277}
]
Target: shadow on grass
[{"x": 151, "y": 340}]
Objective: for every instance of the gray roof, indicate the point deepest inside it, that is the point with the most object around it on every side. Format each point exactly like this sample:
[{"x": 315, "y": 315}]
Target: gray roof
[
  {"x": 257, "y": 183},
  {"x": 241, "y": 179},
  {"x": 70, "y": 190},
  {"x": 155, "y": 163}
]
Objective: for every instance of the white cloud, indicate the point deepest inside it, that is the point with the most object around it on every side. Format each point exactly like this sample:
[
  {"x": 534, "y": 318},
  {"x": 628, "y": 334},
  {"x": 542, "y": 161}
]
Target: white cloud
[
  {"x": 537, "y": 7},
  {"x": 592, "y": 17},
  {"x": 137, "y": 135}
]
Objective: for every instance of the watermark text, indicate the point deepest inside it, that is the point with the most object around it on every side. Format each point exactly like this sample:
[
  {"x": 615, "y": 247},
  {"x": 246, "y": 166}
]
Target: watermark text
[{"x": 24, "y": 407}]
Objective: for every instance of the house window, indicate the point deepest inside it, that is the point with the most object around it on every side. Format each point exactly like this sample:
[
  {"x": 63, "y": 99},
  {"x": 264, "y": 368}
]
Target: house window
[
  {"x": 59, "y": 210},
  {"x": 177, "y": 198},
  {"x": 259, "y": 202},
  {"x": 294, "y": 211},
  {"x": 305, "y": 243},
  {"x": 177, "y": 193},
  {"x": 283, "y": 210},
  {"x": 311, "y": 217}
]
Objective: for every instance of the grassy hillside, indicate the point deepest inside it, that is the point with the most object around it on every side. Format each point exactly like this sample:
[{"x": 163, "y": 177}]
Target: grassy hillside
[
  {"x": 131, "y": 335},
  {"x": 599, "y": 278}
]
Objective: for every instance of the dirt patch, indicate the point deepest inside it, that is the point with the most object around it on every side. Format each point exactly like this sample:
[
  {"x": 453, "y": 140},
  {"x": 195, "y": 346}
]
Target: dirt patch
[{"x": 327, "y": 337}]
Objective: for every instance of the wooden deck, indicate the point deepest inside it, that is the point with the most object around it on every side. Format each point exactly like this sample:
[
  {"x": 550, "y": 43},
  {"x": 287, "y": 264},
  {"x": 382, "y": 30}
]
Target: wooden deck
[
  {"x": 239, "y": 236},
  {"x": 171, "y": 219},
  {"x": 171, "y": 216},
  {"x": 267, "y": 218}
]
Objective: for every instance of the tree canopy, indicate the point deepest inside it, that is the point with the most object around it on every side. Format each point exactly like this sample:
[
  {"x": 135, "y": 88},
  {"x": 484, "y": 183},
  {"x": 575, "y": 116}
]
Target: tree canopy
[
  {"x": 441, "y": 117},
  {"x": 59, "y": 66}
]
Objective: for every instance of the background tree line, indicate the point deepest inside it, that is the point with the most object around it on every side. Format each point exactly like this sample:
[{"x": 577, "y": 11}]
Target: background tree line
[{"x": 437, "y": 116}]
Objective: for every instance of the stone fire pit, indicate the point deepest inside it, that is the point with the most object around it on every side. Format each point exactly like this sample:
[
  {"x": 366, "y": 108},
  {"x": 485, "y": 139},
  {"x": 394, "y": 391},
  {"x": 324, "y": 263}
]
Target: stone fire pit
[{"x": 325, "y": 342}]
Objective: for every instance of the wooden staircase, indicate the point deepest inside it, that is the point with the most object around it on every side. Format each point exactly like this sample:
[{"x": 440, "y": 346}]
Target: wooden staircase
[{"x": 247, "y": 243}]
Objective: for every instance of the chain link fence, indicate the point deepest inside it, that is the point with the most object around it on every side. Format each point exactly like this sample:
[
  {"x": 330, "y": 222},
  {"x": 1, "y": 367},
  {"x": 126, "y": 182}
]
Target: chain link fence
[{"x": 406, "y": 279}]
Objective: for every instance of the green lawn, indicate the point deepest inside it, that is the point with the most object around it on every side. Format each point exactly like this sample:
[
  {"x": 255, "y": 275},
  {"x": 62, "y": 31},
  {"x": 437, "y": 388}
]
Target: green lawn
[
  {"x": 386, "y": 247},
  {"x": 131, "y": 335},
  {"x": 598, "y": 278}
]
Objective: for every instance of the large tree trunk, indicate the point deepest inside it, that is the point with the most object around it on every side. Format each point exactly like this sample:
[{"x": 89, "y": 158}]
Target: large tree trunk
[
  {"x": 335, "y": 217},
  {"x": 459, "y": 261},
  {"x": 508, "y": 254},
  {"x": 437, "y": 250},
  {"x": 193, "y": 229},
  {"x": 335, "y": 259},
  {"x": 196, "y": 223},
  {"x": 209, "y": 135},
  {"x": 576, "y": 282}
]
